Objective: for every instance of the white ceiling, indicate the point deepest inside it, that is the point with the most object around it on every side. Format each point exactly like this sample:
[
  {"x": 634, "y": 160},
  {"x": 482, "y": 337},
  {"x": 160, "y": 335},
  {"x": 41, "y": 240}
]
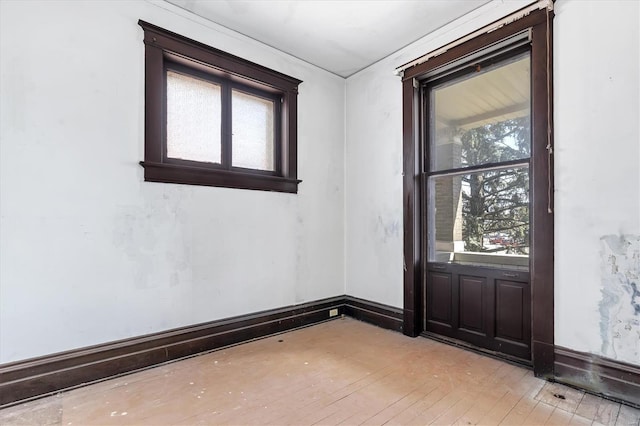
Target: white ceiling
[{"x": 342, "y": 37}]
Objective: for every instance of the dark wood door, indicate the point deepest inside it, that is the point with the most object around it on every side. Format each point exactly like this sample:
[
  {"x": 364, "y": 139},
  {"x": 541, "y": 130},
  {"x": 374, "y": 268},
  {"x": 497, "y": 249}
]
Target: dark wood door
[{"x": 487, "y": 307}]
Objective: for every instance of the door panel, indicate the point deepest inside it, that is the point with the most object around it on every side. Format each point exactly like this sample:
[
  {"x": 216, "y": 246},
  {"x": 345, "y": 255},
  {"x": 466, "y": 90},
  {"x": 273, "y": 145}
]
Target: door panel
[
  {"x": 509, "y": 313},
  {"x": 440, "y": 299},
  {"x": 472, "y": 302},
  {"x": 513, "y": 316},
  {"x": 479, "y": 306},
  {"x": 476, "y": 209}
]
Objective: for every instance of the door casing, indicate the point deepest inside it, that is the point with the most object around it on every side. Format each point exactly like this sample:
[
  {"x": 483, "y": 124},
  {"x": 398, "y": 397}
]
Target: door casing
[{"x": 539, "y": 23}]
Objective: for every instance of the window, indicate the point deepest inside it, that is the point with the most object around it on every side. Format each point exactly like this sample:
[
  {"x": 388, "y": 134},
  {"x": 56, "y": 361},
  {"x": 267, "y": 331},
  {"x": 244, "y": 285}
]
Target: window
[
  {"x": 479, "y": 144},
  {"x": 214, "y": 119},
  {"x": 494, "y": 304}
]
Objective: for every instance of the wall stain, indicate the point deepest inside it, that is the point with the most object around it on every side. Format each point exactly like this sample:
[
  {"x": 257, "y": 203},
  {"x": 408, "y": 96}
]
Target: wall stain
[
  {"x": 154, "y": 238},
  {"x": 390, "y": 229},
  {"x": 635, "y": 295},
  {"x": 620, "y": 304}
]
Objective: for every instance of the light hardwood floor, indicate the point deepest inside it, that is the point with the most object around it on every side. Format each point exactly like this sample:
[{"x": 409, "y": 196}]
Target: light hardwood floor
[{"x": 338, "y": 372}]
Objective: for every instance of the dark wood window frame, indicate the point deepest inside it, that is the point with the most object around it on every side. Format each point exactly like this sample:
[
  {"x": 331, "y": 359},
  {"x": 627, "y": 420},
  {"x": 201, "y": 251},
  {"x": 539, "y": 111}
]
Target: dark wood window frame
[
  {"x": 165, "y": 50},
  {"x": 539, "y": 23}
]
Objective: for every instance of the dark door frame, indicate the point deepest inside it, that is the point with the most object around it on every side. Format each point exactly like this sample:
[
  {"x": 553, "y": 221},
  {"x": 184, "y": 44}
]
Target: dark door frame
[{"x": 539, "y": 23}]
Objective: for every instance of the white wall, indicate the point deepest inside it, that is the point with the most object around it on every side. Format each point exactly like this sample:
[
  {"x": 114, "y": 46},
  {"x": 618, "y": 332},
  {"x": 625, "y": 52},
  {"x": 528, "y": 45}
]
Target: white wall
[
  {"x": 597, "y": 153},
  {"x": 373, "y": 218},
  {"x": 89, "y": 252},
  {"x": 597, "y": 173}
]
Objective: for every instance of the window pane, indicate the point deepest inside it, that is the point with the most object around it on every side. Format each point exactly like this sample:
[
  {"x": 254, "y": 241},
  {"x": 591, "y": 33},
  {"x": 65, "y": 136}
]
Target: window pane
[
  {"x": 482, "y": 118},
  {"x": 480, "y": 218},
  {"x": 193, "y": 119},
  {"x": 253, "y": 132}
]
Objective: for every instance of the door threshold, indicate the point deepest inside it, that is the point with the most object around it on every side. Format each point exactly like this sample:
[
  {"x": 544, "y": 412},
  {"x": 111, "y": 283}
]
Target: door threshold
[{"x": 482, "y": 351}]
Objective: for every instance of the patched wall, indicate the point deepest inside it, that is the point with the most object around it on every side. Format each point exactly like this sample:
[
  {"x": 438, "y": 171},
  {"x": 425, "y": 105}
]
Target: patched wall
[{"x": 620, "y": 304}]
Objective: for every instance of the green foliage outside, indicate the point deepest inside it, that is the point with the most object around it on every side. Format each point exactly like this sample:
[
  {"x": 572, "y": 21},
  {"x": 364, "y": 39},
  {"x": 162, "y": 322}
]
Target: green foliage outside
[{"x": 495, "y": 204}]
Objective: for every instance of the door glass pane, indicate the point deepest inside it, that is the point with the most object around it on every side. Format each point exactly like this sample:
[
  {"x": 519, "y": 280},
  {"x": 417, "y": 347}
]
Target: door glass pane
[
  {"x": 253, "y": 131},
  {"x": 193, "y": 119},
  {"x": 482, "y": 118},
  {"x": 480, "y": 218}
]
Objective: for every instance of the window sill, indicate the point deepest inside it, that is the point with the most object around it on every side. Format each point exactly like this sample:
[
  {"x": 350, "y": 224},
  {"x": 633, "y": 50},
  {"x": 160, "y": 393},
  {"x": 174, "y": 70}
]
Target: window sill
[{"x": 187, "y": 175}]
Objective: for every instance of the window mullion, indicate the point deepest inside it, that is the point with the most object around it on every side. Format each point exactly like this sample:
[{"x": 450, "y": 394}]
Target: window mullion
[
  {"x": 278, "y": 154},
  {"x": 227, "y": 128}
]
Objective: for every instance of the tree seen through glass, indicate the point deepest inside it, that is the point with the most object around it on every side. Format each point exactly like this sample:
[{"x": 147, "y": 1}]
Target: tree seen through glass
[{"x": 495, "y": 203}]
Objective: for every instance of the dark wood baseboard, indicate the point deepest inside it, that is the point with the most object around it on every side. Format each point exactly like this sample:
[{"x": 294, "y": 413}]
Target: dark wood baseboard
[
  {"x": 598, "y": 375},
  {"x": 543, "y": 355},
  {"x": 36, "y": 377},
  {"x": 384, "y": 316}
]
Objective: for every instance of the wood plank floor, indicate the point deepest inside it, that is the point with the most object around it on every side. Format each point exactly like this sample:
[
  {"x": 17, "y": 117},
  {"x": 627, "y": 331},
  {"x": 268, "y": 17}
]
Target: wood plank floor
[{"x": 338, "y": 372}]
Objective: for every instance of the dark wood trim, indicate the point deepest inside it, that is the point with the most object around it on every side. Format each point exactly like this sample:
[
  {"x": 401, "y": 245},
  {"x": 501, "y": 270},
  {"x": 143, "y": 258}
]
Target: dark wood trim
[
  {"x": 154, "y": 102},
  {"x": 606, "y": 377},
  {"x": 40, "y": 376},
  {"x": 173, "y": 173},
  {"x": 384, "y": 316},
  {"x": 412, "y": 230},
  {"x": 542, "y": 259},
  {"x": 542, "y": 220},
  {"x": 475, "y": 44},
  {"x": 226, "y": 127},
  {"x": 227, "y": 63},
  {"x": 167, "y": 50},
  {"x": 289, "y": 115}
]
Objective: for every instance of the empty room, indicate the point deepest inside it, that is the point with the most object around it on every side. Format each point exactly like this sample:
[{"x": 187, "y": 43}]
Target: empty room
[{"x": 297, "y": 212}]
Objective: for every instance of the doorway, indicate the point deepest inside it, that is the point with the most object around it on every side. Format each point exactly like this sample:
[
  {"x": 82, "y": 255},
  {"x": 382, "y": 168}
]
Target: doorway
[
  {"x": 467, "y": 276},
  {"x": 477, "y": 215}
]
